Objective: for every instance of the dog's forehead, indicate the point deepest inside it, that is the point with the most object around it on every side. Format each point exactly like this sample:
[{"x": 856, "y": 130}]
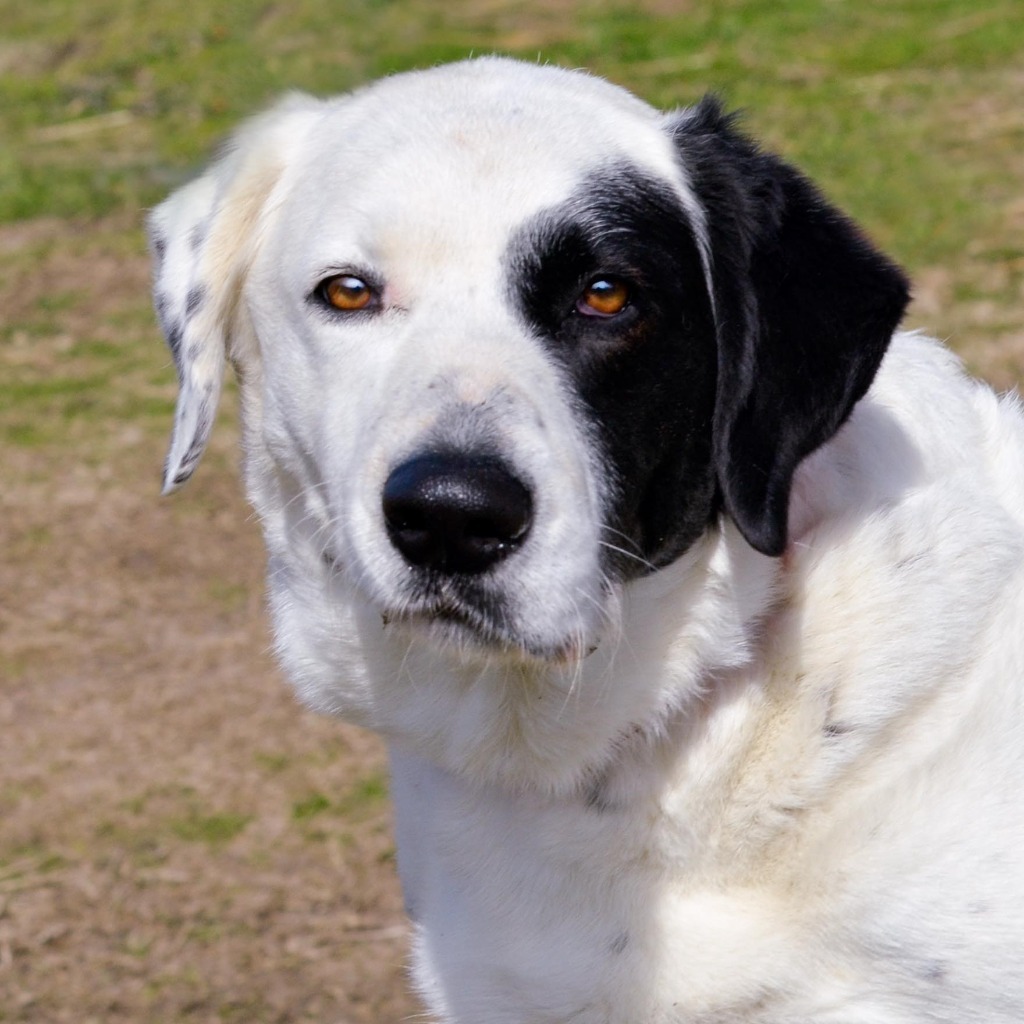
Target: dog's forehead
[
  {"x": 467, "y": 153},
  {"x": 492, "y": 109}
]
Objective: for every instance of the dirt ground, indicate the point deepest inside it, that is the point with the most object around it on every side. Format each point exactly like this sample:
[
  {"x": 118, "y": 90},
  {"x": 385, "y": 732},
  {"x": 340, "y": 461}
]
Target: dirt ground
[{"x": 179, "y": 841}]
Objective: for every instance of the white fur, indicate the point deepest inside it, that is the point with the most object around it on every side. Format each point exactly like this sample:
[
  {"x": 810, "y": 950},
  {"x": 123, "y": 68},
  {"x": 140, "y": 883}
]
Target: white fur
[{"x": 810, "y": 767}]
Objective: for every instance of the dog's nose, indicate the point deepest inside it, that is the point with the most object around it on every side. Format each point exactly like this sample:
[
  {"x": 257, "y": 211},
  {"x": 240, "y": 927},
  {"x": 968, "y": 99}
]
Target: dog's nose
[{"x": 456, "y": 514}]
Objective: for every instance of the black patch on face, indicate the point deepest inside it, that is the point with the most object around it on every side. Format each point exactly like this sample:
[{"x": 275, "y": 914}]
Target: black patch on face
[
  {"x": 707, "y": 401},
  {"x": 646, "y": 376}
]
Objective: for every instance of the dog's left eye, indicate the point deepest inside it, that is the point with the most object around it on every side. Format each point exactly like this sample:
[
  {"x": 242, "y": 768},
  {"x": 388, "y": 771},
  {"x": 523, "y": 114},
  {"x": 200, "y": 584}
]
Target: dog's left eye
[
  {"x": 347, "y": 293},
  {"x": 603, "y": 297}
]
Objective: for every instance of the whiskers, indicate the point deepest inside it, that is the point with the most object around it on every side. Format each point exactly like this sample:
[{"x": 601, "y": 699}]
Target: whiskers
[
  {"x": 631, "y": 556},
  {"x": 308, "y": 516}
]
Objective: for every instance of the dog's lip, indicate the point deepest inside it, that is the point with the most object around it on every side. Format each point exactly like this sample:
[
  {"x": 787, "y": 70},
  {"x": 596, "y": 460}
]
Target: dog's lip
[
  {"x": 470, "y": 627},
  {"x": 447, "y": 611},
  {"x": 449, "y": 620}
]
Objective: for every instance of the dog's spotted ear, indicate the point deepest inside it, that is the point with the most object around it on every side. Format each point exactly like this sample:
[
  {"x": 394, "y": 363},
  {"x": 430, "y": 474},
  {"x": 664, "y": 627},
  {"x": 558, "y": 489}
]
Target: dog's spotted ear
[
  {"x": 804, "y": 305},
  {"x": 202, "y": 240}
]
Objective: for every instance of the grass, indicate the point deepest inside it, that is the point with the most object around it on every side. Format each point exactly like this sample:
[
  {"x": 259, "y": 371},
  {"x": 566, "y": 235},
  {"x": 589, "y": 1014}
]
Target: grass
[
  {"x": 111, "y": 103},
  {"x": 364, "y": 795},
  {"x": 209, "y": 828}
]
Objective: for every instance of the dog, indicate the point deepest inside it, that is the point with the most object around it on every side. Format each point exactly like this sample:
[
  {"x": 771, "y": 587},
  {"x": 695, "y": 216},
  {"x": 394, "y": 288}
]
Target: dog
[{"x": 687, "y": 590}]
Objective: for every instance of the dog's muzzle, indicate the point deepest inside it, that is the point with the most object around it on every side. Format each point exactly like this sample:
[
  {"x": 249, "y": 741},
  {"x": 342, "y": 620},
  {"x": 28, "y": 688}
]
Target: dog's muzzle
[{"x": 456, "y": 514}]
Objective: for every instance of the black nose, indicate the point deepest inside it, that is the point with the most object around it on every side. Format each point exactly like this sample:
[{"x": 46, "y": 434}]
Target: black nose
[{"x": 456, "y": 513}]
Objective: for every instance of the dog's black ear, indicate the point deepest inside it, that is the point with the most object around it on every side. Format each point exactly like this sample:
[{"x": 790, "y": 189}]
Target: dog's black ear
[{"x": 804, "y": 308}]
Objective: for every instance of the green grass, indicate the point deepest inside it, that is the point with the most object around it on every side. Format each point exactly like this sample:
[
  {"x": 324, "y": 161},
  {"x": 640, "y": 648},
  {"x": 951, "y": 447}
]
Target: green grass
[
  {"x": 214, "y": 829},
  {"x": 365, "y": 794},
  {"x": 310, "y": 807},
  {"x": 108, "y": 105}
]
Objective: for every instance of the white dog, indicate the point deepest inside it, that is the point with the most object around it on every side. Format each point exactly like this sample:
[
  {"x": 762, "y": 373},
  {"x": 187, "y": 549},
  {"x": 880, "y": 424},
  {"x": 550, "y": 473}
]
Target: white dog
[{"x": 689, "y": 598}]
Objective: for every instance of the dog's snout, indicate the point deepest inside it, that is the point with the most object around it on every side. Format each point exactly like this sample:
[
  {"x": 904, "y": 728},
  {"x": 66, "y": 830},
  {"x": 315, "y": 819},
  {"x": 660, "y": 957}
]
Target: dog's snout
[{"x": 454, "y": 513}]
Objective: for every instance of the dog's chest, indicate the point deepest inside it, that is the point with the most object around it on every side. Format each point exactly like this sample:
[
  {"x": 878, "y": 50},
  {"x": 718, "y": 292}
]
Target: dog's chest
[{"x": 576, "y": 912}]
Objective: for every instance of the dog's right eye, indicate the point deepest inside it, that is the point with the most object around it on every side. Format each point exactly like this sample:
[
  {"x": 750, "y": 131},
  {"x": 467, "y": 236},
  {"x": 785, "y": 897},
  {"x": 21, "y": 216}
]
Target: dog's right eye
[
  {"x": 605, "y": 297},
  {"x": 347, "y": 293}
]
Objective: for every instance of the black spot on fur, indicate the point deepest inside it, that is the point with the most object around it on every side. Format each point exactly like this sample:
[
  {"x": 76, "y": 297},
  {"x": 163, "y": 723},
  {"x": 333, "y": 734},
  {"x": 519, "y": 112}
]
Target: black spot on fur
[
  {"x": 194, "y": 300},
  {"x": 595, "y": 796},
  {"x": 193, "y": 453},
  {"x": 833, "y": 730},
  {"x": 197, "y": 236},
  {"x": 171, "y": 326},
  {"x": 173, "y": 332},
  {"x": 619, "y": 943},
  {"x": 645, "y": 377},
  {"x": 159, "y": 247},
  {"x": 162, "y": 305}
]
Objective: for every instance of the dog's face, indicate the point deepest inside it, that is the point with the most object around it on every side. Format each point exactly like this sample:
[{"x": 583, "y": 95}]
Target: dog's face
[
  {"x": 508, "y": 339},
  {"x": 457, "y": 319}
]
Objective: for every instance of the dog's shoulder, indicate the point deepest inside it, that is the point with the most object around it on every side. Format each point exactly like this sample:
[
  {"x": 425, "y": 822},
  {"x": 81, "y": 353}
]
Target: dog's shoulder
[
  {"x": 904, "y": 593},
  {"x": 908, "y": 530}
]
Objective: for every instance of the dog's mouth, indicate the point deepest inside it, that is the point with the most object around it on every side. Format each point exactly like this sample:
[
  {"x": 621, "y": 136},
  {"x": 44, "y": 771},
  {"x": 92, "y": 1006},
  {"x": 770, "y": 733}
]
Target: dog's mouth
[
  {"x": 474, "y": 631},
  {"x": 468, "y": 624}
]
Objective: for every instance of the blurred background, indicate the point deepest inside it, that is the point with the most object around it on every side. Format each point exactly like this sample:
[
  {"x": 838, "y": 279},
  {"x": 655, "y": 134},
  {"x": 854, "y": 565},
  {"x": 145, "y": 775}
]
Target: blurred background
[{"x": 178, "y": 840}]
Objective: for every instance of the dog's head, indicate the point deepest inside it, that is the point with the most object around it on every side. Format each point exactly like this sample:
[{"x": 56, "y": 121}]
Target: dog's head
[{"x": 507, "y": 339}]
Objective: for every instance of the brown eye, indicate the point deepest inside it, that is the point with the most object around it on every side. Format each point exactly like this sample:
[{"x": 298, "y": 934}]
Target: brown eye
[
  {"x": 606, "y": 296},
  {"x": 347, "y": 293}
]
